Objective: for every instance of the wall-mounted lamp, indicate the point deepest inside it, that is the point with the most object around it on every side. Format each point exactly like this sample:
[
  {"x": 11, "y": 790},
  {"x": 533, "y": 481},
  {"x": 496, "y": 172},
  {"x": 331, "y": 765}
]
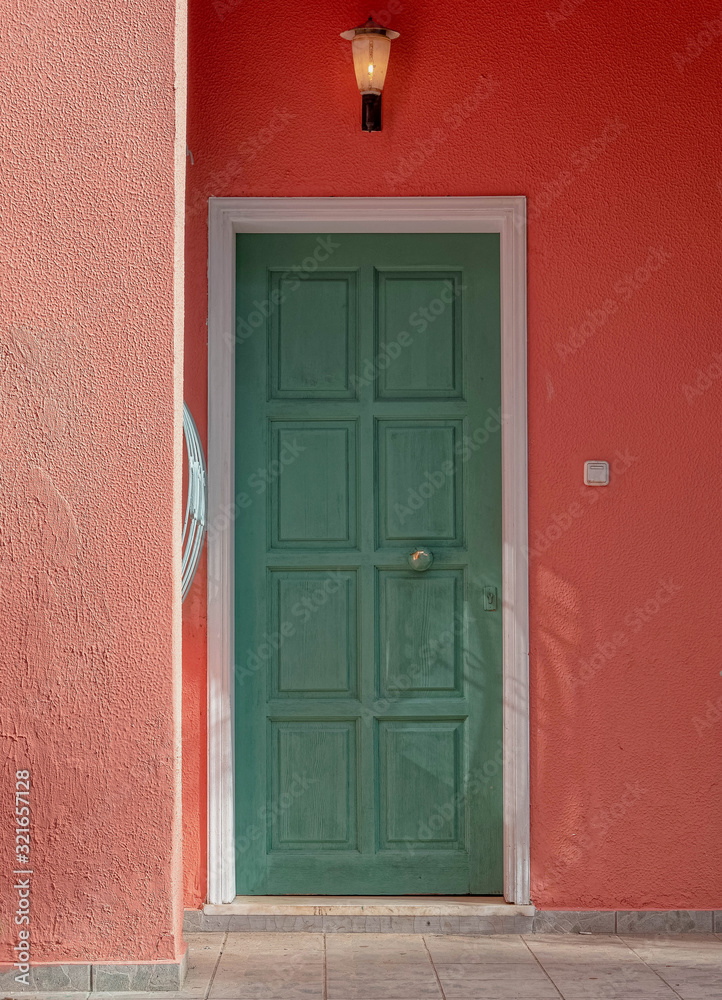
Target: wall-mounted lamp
[{"x": 371, "y": 45}]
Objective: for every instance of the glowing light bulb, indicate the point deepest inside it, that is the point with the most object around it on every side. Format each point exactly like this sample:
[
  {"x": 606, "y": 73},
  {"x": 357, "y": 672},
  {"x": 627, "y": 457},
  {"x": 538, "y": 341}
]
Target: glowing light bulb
[{"x": 371, "y": 69}]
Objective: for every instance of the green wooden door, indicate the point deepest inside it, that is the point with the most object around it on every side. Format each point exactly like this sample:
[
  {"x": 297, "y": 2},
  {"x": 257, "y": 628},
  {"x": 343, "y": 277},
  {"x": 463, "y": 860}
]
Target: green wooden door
[{"x": 368, "y": 694}]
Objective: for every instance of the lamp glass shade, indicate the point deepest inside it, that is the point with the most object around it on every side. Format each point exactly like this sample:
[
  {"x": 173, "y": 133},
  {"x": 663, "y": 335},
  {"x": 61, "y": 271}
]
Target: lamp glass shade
[{"x": 370, "y": 61}]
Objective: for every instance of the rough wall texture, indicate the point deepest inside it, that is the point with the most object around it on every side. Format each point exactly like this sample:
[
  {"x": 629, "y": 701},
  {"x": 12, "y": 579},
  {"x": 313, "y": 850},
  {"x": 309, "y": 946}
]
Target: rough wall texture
[
  {"x": 89, "y": 660},
  {"x": 607, "y": 117}
]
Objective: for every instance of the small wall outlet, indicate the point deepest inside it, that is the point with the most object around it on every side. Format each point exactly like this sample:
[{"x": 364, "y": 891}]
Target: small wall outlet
[{"x": 596, "y": 473}]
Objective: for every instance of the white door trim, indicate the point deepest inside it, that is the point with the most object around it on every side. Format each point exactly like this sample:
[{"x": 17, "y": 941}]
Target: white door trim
[{"x": 228, "y": 216}]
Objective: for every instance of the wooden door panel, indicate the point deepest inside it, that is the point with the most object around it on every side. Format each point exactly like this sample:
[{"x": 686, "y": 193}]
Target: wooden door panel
[
  {"x": 313, "y": 497},
  {"x": 314, "y": 615},
  {"x": 309, "y": 359},
  {"x": 420, "y": 493},
  {"x": 420, "y": 634},
  {"x": 428, "y": 305},
  {"x": 420, "y": 786},
  {"x": 313, "y": 800}
]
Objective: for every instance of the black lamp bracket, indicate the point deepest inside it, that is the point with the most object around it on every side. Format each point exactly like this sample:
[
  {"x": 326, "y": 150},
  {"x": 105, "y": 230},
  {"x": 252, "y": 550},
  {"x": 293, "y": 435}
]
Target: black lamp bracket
[{"x": 371, "y": 112}]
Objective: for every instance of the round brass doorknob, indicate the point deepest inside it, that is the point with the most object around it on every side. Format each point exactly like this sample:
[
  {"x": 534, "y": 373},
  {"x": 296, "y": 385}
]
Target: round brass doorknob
[{"x": 420, "y": 559}]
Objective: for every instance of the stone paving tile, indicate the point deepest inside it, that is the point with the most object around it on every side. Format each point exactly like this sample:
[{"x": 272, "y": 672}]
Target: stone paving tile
[
  {"x": 627, "y": 993},
  {"x": 688, "y": 949},
  {"x": 610, "y": 982},
  {"x": 580, "y": 950},
  {"x": 379, "y": 967},
  {"x": 477, "y": 970},
  {"x": 273, "y": 943},
  {"x": 692, "y": 983},
  {"x": 484, "y": 972},
  {"x": 449, "y": 949},
  {"x": 691, "y": 965},
  {"x": 575, "y": 943},
  {"x": 471, "y": 989},
  {"x": 406, "y": 949},
  {"x": 383, "y": 989},
  {"x": 377, "y": 984},
  {"x": 692, "y": 976},
  {"x": 270, "y": 966},
  {"x": 612, "y": 970}
]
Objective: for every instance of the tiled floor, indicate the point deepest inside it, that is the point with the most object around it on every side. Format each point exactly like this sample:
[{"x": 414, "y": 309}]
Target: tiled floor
[{"x": 302, "y": 966}]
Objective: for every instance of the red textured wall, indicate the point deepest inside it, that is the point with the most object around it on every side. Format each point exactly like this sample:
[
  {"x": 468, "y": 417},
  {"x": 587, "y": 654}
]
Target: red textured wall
[
  {"x": 90, "y": 498},
  {"x": 606, "y": 116}
]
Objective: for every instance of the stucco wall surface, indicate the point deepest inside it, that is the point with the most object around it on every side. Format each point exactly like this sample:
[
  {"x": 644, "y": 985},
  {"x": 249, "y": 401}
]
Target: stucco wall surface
[
  {"x": 606, "y": 116},
  {"x": 89, "y": 658}
]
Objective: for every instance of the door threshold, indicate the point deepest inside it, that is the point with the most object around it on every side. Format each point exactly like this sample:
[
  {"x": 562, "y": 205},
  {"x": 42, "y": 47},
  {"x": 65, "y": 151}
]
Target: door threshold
[
  {"x": 369, "y": 914},
  {"x": 390, "y": 914},
  {"x": 369, "y": 906}
]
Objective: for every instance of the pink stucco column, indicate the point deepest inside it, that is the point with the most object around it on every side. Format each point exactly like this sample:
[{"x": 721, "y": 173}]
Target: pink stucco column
[{"x": 93, "y": 144}]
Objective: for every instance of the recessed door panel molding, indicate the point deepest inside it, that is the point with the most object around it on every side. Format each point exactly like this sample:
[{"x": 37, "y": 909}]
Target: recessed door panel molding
[
  {"x": 313, "y": 625},
  {"x": 421, "y": 789},
  {"x": 418, "y": 326},
  {"x": 337, "y": 730},
  {"x": 312, "y": 334},
  {"x": 312, "y": 496},
  {"x": 421, "y": 478},
  {"x": 312, "y": 805},
  {"x": 421, "y": 632}
]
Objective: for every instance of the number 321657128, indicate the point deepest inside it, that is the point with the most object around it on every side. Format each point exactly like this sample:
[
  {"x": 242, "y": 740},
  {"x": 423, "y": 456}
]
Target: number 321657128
[{"x": 22, "y": 816}]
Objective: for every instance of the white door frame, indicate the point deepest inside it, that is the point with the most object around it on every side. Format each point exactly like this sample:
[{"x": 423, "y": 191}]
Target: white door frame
[{"x": 228, "y": 216}]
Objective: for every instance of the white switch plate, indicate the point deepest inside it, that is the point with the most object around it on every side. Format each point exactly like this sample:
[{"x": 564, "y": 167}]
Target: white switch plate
[{"x": 596, "y": 473}]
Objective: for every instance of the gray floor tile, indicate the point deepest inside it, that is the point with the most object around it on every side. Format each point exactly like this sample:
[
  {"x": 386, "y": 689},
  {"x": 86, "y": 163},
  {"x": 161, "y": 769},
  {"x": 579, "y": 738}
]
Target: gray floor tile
[
  {"x": 404, "y": 948},
  {"x": 687, "y": 991},
  {"x": 270, "y": 966},
  {"x": 491, "y": 990},
  {"x": 594, "y": 986},
  {"x": 688, "y": 949},
  {"x": 492, "y": 949},
  {"x": 598, "y": 981},
  {"x": 271, "y": 989},
  {"x": 382, "y": 988},
  {"x": 692, "y": 982},
  {"x": 576, "y": 942},
  {"x": 610, "y": 992},
  {"x": 270, "y": 986},
  {"x": 483, "y": 972},
  {"x": 379, "y": 967},
  {"x": 272, "y": 941}
]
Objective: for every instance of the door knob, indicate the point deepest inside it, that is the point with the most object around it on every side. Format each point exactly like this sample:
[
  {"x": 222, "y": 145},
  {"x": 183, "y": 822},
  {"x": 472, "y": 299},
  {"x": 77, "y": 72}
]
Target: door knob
[{"x": 420, "y": 559}]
